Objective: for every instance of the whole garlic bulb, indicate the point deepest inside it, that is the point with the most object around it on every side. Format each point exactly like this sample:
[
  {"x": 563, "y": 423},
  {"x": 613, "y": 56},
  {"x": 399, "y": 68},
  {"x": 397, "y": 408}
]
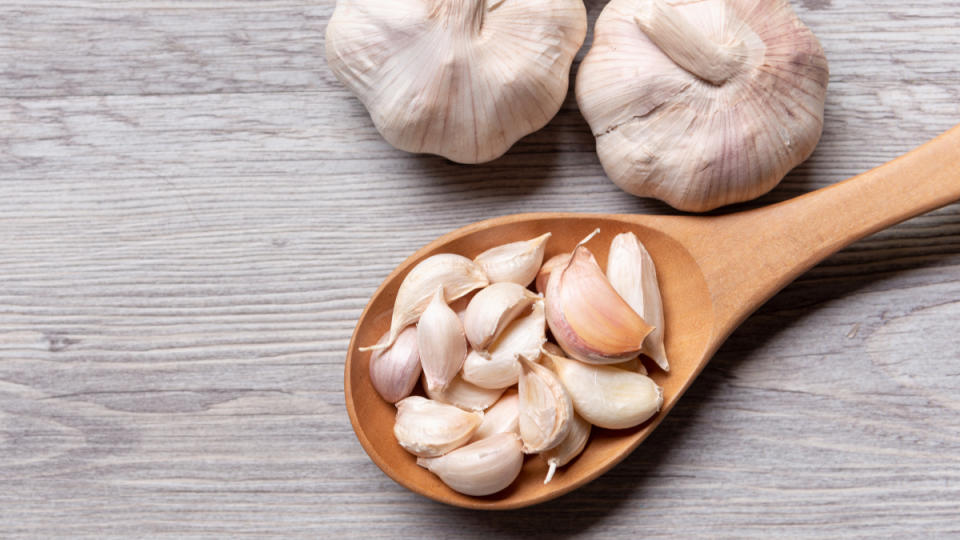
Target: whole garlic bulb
[
  {"x": 464, "y": 79},
  {"x": 702, "y": 103}
]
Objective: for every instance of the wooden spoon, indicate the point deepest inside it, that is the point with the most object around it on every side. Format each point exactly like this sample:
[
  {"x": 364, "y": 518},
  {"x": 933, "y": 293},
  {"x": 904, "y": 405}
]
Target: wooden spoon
[{"x": 714, "y": 272}]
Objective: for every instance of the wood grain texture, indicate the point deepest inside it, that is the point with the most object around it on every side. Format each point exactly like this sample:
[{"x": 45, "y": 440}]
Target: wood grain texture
[{"x": 193, "y": 213}]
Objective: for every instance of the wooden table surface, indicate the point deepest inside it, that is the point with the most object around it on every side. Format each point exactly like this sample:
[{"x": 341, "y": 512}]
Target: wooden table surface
[{"x": 193, "y": 213}]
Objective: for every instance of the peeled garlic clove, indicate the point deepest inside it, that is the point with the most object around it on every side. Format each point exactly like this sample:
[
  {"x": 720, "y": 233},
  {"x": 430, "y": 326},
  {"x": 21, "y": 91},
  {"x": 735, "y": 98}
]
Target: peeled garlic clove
[
  {"x": 464, "y": 79},
  {"x": 516, "y": 262},
  {"x": 631, "y": 271},
  {"x": 543, "y": 276},
  {"x": 480, "y": 468},
  {"x": 429, "y": 428},
  {"x": 545, "y": 408},
  {"x": 443, "y": 347},
  {"x": 456, "y": 274},
  {"x": 499, "y": 367},
  {"x": 589, "y": 320},
  {"x": 395, "y": 371},
  {"x": 464, "y": 395},
  {"x": 606, "y": 396},
  {"x": 492, "y": 309},
  {"x": 570, "y": 448},
  {"x": 502, "y": 417},
  {"x": 702, "y": 104}
]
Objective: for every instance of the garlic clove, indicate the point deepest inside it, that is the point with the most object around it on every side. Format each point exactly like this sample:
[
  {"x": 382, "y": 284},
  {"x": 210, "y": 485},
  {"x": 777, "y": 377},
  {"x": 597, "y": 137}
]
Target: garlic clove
[
  {"x": 545, "y": 408},
  {"x": 588, "y": 319},
  {"x": 480, "y": 468},
  {"x": 543, "y": 276},
  {"x": 516, "y": 262},
  {"x": 502, "y": 417},
  {"x": 606, "y": 396},
  {"x": 499, "y": 367},
  {"x": 492, "y": 309},
  {"x": 395, "y": 371},
  {"x": 487, "y": 371},
  {"x": 456, "y": 274},
  {"x": 572, "y": 445},
  {"x": 429, "y": 428},
  {"x": 443, "y": 347},
  {"x": 464, "y": 79},
  {"x": 632, "y": 274},
  {"x": 464, "y": 395},
  {"x": 702, "y": 104}
]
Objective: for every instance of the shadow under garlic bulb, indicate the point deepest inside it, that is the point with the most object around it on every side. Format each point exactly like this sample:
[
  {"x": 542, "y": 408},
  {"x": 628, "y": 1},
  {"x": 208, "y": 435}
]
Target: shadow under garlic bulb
[
  {"x": 702, "y": 103},
  {"x": 464, "y": 79}
]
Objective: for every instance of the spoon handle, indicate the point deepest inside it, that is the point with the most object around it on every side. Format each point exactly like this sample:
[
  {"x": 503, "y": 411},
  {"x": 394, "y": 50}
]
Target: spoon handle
[{"x": 748, "y": 256}]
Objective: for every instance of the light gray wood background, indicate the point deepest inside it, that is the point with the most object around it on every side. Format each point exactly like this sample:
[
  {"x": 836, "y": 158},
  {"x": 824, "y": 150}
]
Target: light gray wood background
[{"x": 193, "y": 213}]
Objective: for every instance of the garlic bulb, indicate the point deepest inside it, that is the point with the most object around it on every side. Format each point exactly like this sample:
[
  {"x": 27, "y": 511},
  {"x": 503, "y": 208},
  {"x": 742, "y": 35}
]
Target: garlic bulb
[
  {"x": 429, "y": 428},
  {"x": 464, "y": 79},
  {"x": 517, "y": 262},
  {"x": 479, "y": 468},
  {"x": 631, "y": 271},
  {"x": 705, "y": 103},
  {"x": 443, "y": 347},
  {"x": 395, "y": 371},
  {"x": 589, "y": 320}
]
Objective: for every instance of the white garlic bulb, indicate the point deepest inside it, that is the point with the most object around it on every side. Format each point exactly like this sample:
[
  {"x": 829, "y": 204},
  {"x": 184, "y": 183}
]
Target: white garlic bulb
[
  {"x": 464, "y": 79},
  {"x": 702, "y": 104}
]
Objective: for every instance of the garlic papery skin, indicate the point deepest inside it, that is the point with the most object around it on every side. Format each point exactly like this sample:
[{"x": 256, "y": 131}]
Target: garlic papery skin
[
  {"x": 543, "y": 276},
  {"x": 429, "y": 428},
  {"x": 702, "y": 104},
  {"x": 545, "y": 408},
  {"x": 457, "y": 275},
  {"x": 633, "y": 275},
  {"x": 492, "y": 309},
  {"x": 502, "y": 417},
  {"x": 499, "y": 366},
  {"x": 464, "y": 395},
  {"x": 479, "y": 468},
  {"x": 464, "y": 79},
  {"x": 570, "y": 448},
  {"x": 443, "y": 347},
  {"x": 395, "y": 371},
  {"x": 588, "y": 319},
  {"x": 516, "y": 262},
  {"x": 606, "y": 396}
]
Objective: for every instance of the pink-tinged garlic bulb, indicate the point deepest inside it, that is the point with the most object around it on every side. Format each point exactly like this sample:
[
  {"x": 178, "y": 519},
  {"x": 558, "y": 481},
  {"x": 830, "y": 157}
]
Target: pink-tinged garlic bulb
[
  {"x": 464, "y": 79},
  {"x": 702, "y": 103}
]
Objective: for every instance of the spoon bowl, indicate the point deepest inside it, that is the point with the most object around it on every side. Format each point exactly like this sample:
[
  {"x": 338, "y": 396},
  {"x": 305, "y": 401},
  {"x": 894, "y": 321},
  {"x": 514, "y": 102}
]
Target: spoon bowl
[{"x": 713, "y": 272}]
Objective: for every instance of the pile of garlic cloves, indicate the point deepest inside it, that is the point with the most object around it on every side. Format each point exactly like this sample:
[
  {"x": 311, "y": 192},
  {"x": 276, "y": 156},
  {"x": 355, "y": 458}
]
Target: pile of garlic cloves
[{"x": 475, "y": 336}]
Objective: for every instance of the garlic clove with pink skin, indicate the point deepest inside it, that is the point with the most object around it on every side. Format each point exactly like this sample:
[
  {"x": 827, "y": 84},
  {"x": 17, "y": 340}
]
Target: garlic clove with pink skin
[
  {"x": 395, "y": 371},
  {"x": 587, "y": 317}
]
